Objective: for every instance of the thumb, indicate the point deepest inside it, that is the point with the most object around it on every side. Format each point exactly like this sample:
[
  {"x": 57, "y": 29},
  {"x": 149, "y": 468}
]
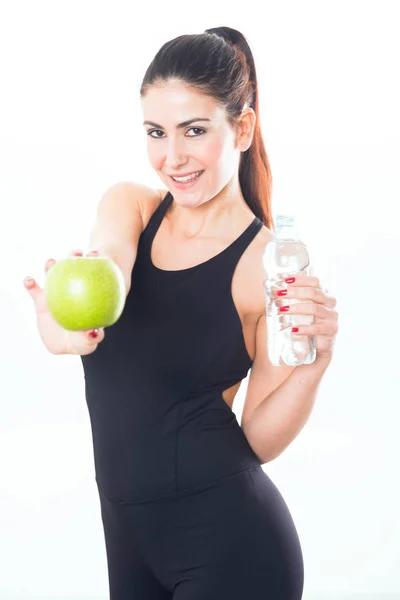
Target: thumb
[{"x": 35, "y": 291}]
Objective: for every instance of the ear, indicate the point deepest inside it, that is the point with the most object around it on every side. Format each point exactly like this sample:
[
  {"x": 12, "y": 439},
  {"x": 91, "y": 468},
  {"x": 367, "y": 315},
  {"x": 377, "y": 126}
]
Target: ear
[{"x": 246, "y": 123}]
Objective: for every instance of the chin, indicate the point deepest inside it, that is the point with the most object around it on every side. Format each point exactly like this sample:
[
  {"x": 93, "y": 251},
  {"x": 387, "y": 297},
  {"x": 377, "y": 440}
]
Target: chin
[{"x": 186, "y": 199}]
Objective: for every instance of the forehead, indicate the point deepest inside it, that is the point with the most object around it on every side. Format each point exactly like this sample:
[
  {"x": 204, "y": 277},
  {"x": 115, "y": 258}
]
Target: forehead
[{"x": 175, "y": 101}]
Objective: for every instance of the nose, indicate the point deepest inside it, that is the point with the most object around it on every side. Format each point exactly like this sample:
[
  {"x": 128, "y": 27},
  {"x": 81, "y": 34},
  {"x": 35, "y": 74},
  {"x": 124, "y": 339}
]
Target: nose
[{"x": 175, "y": 155}]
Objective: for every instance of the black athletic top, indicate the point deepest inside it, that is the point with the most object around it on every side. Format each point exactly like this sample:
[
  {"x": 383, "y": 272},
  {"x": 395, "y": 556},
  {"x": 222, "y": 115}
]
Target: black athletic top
[{"x": 154, "y": 385}]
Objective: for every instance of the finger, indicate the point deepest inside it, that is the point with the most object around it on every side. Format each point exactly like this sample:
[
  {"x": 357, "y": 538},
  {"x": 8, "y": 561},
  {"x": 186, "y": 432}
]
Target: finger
[
  {"x": 300, "y": 280},
  {"x": 95, "y": 335},
  {"x": 29, "y": 283},
  {"x": 305, "y": 308},
  {"x": 33, "y": 288},
  {"x": 302, "y": 293},
  {"x": 48, "y": 264},
  {"x": 327, "y": 328},
  {"x": 80, "y": 342},
  {"x": 92, "y": 253},
  {"x": 316, "y": 294},
  {"x": 330, "y": 300},
  {"x": 75, "y": 252}
]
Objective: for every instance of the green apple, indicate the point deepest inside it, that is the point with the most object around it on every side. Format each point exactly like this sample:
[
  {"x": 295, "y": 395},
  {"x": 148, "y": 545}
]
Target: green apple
[{"x": 85, "y": 292}]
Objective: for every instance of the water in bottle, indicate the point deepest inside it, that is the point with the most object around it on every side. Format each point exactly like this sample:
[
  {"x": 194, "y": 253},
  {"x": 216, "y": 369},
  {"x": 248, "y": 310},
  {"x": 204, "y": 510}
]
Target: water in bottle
[{"x": 284, "y": 256}]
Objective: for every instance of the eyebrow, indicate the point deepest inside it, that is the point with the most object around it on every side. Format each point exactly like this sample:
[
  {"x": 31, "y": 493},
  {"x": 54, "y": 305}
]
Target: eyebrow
[{"x": 179, "y": 126}]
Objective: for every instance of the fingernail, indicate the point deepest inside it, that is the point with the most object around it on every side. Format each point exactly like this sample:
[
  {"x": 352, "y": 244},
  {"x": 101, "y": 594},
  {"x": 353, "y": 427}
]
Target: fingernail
[
  {"x": 290, "y": 280},
  {"x": 295, "y": 329},
  {"x": 281, "y": 293},
  {"x": 77, "y": 252},
  {"x": 28, "y": 279},
  {"x": 94, "y": 333},
  {"x": 284, "y": 308}
]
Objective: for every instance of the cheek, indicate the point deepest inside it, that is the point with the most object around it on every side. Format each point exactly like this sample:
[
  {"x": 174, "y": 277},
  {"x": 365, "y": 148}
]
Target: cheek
[
  {"x": 221, "y": 157},
  {"x": 210, "y": 154},
  {"x": 155, "y": 154}
]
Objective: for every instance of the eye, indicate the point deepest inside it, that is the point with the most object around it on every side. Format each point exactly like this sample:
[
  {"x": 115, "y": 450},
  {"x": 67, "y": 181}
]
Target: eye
[
  {"x": 196, "y": 129},
  {"x": 154, "y": 131},
  {"x": 199, "y": 131}
]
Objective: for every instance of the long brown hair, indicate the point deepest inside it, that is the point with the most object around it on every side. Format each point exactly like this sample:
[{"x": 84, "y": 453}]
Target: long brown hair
[{"x": 219, "y": 63}]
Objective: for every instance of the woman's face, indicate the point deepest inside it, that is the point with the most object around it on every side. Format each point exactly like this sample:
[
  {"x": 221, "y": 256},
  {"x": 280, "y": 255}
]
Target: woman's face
[{"x": 188, "y": 133}]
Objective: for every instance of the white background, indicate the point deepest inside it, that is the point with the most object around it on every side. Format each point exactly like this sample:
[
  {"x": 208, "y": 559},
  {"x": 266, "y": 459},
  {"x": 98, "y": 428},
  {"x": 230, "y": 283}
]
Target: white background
[{"x": 71, "y": 126}]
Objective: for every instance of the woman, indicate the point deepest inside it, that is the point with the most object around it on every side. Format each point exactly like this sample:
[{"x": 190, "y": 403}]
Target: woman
[{"x": 187, "y": 510}]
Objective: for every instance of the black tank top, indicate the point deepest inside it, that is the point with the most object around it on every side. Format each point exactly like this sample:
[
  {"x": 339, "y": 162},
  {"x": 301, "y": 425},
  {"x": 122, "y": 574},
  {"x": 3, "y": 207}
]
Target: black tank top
[{"x": 160, "y": 425}]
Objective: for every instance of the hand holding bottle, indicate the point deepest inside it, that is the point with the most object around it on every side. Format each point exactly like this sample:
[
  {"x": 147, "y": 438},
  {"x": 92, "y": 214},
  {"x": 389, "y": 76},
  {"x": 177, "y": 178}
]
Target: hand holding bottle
[
  {"x": 315, "y": 301},
  {"x": 301, "y": 321}
]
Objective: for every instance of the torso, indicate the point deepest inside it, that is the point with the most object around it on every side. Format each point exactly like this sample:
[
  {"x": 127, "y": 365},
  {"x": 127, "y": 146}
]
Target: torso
[{"x": 248, "y": 279}]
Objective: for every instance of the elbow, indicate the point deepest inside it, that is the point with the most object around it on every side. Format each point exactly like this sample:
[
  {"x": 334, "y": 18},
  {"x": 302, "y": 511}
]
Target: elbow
[{"x": 263, "y": 453}]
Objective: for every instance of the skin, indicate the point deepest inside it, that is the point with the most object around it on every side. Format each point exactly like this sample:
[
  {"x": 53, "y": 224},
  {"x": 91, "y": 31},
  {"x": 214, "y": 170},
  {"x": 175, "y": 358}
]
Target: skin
[
  {"x": 215, "y": 147},
  {"x": 205, "y": 219}
]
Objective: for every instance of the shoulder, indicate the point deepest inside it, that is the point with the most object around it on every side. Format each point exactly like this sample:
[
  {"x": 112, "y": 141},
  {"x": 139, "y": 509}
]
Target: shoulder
[
  {"x": 151, "y": 200},
  {"x": 162, "y": 193},
  {"x": 145, "y": 198}
]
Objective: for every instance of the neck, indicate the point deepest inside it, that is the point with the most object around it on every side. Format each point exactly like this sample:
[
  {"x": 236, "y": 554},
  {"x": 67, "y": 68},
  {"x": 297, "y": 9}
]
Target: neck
[{"x": 225, "y": 211}]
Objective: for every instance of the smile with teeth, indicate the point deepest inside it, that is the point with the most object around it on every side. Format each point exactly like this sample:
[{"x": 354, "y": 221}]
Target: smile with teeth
[{"x": 188, "y": 177}]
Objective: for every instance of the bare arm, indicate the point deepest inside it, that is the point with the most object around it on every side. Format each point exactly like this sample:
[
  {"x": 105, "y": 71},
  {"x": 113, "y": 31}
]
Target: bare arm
[
  {"x": 122, "y": 214},
  {"x": 279, "y": 400}
]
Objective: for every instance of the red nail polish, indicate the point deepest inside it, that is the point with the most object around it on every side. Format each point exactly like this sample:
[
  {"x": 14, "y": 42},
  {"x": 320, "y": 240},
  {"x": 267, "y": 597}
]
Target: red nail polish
[
  {"x": 295, "y": 329},
  {"x": 284, "y": 308},
  {"x": 94, "y": 333},
  {"x": 281, "y": 293},
  {"x": 290, "y": 280}
]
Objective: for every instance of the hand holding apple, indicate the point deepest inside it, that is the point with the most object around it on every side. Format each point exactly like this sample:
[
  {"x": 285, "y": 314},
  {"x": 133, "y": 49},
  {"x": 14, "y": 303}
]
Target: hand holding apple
[
  {"x": 56, "y": 339},
  {"x": 85, "y": 292}
]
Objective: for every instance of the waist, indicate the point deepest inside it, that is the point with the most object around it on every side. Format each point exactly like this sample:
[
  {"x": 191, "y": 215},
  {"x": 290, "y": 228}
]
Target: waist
[
  {"x": 148, "y": 464},
  {"x": 150, "y": 448},
  {"x": 187, "y": 492}
]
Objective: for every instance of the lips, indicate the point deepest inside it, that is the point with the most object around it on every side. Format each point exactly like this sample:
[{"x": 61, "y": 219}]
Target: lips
[
  {"x": 183, "y": 185},
  {"x": 186, "y": 174}
]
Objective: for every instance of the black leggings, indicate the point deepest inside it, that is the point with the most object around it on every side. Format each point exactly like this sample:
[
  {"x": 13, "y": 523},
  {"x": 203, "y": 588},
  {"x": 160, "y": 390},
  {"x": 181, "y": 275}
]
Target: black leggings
[{"x": 235, "y": 540}]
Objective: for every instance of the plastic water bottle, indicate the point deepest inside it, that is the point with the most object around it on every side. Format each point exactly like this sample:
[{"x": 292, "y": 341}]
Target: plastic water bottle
[{"x": 284, "y": 256}]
